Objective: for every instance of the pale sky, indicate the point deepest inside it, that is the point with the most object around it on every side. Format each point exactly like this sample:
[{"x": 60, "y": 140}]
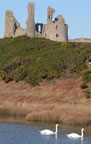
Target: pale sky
[{"x": 77, "y": 14}]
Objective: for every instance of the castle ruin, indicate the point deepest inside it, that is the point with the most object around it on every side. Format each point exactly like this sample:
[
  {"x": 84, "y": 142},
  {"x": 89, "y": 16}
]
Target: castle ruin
[{"x": 56, "y": 30}]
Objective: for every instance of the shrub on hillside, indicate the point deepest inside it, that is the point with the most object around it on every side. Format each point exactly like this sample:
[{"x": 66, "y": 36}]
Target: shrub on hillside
[
  {"x": 88, "y": 94},
  {"x": 83, "y": 85},
  {"x": 34, "y": 59},
  {"x": 5, "y": 76},
  {"x": 87, "y": 75}
]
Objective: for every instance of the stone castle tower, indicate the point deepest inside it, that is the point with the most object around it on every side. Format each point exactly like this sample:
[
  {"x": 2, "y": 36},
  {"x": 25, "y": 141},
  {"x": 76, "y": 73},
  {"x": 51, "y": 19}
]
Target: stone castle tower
[
  {"x": 56, "y": 30},
  {"x": 30, "y": 21}
]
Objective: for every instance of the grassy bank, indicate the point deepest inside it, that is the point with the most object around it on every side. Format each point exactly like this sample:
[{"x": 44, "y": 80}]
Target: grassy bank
[
  {"x": 45, "y": 80},
  {"x": 62, "y": 101},
  {"x": 36, "y": 59},
  {"x": 65, "y": 114}
]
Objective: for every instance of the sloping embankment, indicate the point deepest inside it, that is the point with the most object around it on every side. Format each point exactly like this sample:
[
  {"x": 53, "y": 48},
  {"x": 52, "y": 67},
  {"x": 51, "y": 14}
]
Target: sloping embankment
[{"x": 60, "y": 101}]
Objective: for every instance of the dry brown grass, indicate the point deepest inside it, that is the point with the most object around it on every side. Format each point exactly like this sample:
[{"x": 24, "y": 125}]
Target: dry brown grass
[
  {"x": 63, "y": 113},
  {"x": 66, "y": 114},
  {"x": 12, "y": 111},
  {"x": 62, "y": 101}
]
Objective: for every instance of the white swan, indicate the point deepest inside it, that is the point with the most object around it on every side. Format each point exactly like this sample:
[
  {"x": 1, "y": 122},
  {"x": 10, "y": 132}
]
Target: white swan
[
  {"x": 49, "y": 132},
  {"x": 74, "y": 135}
]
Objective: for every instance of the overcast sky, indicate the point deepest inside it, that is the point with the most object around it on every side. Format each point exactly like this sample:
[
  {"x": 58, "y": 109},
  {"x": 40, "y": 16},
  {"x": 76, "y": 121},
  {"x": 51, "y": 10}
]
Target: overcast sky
[{"x": 77, "y": 14}]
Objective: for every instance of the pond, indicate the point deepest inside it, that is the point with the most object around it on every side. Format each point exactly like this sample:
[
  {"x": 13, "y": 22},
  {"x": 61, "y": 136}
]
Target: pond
[{"x": 15, "y": 133}]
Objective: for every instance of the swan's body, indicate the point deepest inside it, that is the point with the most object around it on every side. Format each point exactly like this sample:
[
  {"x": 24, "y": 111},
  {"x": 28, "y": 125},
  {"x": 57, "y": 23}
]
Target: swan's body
[
  {"x": 74, "y": 135},
  {"x": 49, "y": 132}
]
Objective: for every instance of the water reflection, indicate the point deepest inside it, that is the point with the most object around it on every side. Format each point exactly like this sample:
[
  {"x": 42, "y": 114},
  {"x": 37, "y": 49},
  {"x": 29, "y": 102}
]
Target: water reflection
[{"x": 81, "y": 139}]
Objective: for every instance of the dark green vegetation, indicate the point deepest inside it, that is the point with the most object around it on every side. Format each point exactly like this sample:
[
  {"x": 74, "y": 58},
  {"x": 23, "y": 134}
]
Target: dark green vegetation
[
  {"x": 35, "y": 59},
  {"x": 86, "y": 77},
  {"x": 87, "y": 94}
]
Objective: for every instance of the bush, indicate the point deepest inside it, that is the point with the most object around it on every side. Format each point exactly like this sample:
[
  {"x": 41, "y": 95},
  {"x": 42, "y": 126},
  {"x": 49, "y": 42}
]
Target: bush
[
  {"x": 19, "y": 74},
  {"x": 88, "y": 94},
  {"x": 5, "y": 76},
  {"x": 83, "y": 85},
  {"x": 86, "y": 75}
]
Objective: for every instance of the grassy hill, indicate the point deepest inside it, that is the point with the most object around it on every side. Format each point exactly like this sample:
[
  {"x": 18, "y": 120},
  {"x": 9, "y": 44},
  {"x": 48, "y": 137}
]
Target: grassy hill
[
  {"x": 31, "y": 60},
  {"x": 35, "y": 59}
]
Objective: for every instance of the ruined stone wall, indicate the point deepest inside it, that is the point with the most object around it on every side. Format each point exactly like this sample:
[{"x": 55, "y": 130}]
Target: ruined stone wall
[
  {"x": 55, "y": 30},
  {"x": 30, "y": 21},
  {"x": 11, "y": 24},
  {"x": 20, "y": 32},
  {"x": 50, "y": 12},
  {"x": 38, "y": 30},
  {"x": 61, "y": 29}
]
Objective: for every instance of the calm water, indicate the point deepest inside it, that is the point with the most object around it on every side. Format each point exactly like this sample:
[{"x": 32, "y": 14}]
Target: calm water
[{"x": 29, "y": 134}]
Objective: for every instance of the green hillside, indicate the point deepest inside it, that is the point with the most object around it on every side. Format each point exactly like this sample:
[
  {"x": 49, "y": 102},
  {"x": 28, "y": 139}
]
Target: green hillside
[{"x": 35, "y": 59}]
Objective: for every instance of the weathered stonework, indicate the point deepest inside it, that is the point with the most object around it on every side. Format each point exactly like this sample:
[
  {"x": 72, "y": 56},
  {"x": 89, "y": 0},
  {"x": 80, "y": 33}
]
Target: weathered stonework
[
  {"x": 30, "y": 21},
  {"x": 20, "y": 32},
  {"x": 11, "y": 24},
  {"x": 50, "y": 12},
  {"x": 56, "y": 30}
]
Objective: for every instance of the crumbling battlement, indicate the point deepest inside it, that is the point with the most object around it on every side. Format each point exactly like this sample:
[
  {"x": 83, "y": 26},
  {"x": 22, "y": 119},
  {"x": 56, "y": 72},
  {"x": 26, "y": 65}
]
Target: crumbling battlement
[
  {"x": 11, "y": 24},
  {"x": 50, "y": 12},
  {"x": 56, "y": 30}
]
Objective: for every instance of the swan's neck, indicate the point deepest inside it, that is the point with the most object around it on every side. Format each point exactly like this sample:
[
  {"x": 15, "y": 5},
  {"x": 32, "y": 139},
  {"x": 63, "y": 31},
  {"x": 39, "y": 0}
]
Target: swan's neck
[
  {"x": 56, "y": 129},
  {"x": 81, "y": 133}
]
